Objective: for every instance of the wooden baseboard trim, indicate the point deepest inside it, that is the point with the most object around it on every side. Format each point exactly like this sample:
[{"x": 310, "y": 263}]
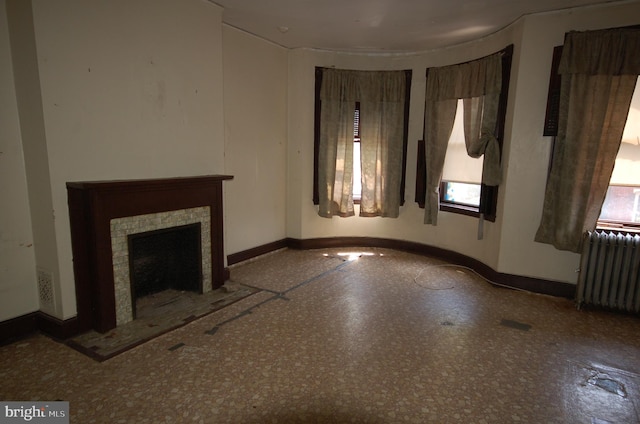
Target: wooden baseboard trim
[
  {"x": 57, "y": 328},
  {"x": 256, "y": 251},
  {"x": 535, "y": 285},
  {"x": 23, "y": 326},
  {"x": 17, "y": 328}
]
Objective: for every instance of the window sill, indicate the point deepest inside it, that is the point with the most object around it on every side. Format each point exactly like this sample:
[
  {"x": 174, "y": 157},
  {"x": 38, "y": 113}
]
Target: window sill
[
  {"x": 464, "y": 210},
  {"x": 618, "y": 228}
]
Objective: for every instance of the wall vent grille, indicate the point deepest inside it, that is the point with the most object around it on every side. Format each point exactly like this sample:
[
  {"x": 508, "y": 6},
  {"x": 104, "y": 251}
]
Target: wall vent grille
[{"x": 45, "y": 288}]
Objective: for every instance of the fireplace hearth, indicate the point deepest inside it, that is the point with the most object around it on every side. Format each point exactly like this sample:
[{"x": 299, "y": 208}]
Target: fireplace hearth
[{"x": 102, "y": 216}]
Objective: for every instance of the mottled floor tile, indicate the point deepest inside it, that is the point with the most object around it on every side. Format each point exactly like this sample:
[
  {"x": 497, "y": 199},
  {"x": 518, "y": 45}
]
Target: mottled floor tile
[
  {"x": 157, "y": 314},
  {"x": 389, "y": 337}
]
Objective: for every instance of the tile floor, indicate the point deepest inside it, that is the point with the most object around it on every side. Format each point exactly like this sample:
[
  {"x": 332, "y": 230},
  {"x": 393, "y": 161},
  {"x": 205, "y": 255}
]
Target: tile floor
[
  {"x": 389, "y": 337},
  {"x": 157, "y": 314}
]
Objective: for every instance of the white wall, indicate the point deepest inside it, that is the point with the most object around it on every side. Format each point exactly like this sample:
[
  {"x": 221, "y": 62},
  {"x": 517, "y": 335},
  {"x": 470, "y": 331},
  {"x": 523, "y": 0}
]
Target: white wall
[
  {"x": 129, "y": 90},
  {"x": 255, "y": 111},
  {"x": 18, "y": 294},
  {"x": 508, "y": 244}
]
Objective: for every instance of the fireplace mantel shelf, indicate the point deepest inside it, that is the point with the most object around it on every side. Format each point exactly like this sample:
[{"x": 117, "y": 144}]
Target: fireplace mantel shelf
[
  {"x": 93, "y": 204},
  {"x": 146, "y": 184}
]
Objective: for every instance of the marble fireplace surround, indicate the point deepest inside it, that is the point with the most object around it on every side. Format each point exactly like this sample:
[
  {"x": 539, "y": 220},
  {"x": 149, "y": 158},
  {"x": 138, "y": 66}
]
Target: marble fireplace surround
[{"x": 95, "y": 206}]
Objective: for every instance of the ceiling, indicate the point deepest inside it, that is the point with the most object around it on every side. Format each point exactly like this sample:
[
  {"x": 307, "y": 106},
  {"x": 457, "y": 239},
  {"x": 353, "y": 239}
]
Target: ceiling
[{"x": 386, "y": 26}]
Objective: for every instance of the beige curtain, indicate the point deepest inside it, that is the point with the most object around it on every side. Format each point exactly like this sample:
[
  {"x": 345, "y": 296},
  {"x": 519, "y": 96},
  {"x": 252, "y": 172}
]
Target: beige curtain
[
  {"x": 440, "y": 117},
  {"x": 599, "y": 71},
  {"x": 382, "y": 99},
  {"x": 479, "y": 83},
  {"x": 338, "y": 95},
  {"x": 480, "y": 119},
  {"x": 381, "y": 142}
]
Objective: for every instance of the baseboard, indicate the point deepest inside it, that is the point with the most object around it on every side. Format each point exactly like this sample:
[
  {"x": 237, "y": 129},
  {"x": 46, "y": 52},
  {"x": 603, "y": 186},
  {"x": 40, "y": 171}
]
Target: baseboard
[
  {"x": 57, "y": 328},
  {"x": 17, "y": 328},
  {"x": 256, "y": 251},
  {"x": 23, "y": 326},
  {"x": 535, "y": 285}
]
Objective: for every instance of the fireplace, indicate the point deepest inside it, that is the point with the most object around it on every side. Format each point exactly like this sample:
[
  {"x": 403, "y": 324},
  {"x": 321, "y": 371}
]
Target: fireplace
[
  {"x": 123, "y": 230},
  {"x": 105, "y": 216},
  {"x": 164, "y": 260},
  {"x": 167, "y": 259}
]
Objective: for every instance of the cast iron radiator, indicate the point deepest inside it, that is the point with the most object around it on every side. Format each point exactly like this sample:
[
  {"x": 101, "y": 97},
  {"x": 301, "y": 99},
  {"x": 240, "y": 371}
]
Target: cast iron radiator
[{"x": 609, "y": 271}]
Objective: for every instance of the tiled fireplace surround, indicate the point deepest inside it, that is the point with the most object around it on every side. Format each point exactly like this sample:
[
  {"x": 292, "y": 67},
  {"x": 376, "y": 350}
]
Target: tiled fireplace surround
[
  {"x": 104, "y": 213},
  {"x": 121, "y": 228}
]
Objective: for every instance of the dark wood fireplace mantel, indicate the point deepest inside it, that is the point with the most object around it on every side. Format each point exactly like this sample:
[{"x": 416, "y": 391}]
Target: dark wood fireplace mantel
[{"x": 92, "y": 206}]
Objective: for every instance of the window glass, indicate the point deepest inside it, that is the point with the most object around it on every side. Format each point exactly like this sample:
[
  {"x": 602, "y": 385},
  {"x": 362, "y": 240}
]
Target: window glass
[
  {"x": 462, "y": 193},
  {"x": 622, "y": 203},
  {"x": 357, "y": 168},
  {"x": 357, "y": 171}
]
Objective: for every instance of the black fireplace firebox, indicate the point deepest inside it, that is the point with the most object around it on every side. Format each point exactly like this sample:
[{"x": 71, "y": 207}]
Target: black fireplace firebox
[{"x": 165, "y": 259}]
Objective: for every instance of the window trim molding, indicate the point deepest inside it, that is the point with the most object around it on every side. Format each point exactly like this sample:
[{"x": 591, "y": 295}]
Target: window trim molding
[{"x": 618, "y": 226}]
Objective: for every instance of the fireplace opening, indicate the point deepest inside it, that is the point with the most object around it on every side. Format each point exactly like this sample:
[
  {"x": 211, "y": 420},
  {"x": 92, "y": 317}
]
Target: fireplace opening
[{"x": 165, "y": 261}]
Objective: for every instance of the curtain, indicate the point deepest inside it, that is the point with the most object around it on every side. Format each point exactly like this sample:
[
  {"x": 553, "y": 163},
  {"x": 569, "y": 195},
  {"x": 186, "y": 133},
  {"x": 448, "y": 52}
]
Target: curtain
[
  {"x": 440, "y": 116},
  {"x": 480, "y": 119},
  {"x": 381, "y": 142},
  {"x": 479, "y": 83},
  {"x": 599, "y": 70},
  {"x": 382, "y": 101},
  {"x": 338, "y": 95}
]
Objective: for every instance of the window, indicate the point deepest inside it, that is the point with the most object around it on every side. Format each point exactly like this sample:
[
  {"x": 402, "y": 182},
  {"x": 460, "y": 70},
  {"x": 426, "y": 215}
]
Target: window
[
  {"x": 598, "y": 74},
  {"x": 360, "y": 139},
  {"x": 460, "y": 190},
  {"x": 621, "y": 208},
  {"x": 461, "y": 174},
  {"x": 356, "y": 175},
  {"x": 462, "y": 194},
  {"x": 357, "y": 168}
]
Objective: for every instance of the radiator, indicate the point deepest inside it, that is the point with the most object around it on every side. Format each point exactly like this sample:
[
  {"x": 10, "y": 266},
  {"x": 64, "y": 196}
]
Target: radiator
[{"x": 609, "y": 272}]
